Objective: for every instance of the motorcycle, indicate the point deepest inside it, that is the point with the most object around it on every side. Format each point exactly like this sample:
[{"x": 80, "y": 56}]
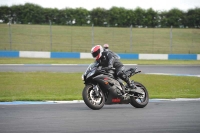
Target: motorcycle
[{"x": 103, "y": 87}]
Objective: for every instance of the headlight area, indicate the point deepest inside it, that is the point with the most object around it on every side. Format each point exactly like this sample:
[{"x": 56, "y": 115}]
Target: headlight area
[{"x": 82, "y": 77}]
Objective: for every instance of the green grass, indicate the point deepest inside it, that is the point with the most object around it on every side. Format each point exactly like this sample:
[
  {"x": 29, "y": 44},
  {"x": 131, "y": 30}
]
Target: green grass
[
  {"x": 41, "y": 86},
  {"x": 88, "y": 61},
  {"x": 80, "y": 39}
]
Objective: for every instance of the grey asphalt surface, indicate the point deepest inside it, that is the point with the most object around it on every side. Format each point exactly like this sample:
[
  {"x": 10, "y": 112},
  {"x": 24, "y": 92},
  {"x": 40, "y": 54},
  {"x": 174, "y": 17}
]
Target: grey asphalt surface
[
  {"x": 172, "y": 69},
  {"x": 156, "y": 117}
]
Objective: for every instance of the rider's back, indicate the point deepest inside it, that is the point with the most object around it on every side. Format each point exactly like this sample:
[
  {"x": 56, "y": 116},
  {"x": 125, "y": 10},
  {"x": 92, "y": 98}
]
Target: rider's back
[{"x": 107, "y": 55}]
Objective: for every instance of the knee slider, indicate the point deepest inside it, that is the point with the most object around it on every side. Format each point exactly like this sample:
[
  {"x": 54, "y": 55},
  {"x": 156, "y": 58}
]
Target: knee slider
[{"x": 122, "y": 75}]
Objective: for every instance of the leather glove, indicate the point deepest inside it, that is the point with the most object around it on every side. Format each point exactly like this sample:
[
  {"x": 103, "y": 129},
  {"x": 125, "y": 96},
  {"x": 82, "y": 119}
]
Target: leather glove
[{"x": 107, "y": 68}]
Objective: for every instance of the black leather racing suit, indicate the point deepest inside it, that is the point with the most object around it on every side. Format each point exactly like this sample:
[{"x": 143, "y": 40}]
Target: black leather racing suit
[
  {"x": 109, "y": 59},
  {"x": 114, "y": 54}
]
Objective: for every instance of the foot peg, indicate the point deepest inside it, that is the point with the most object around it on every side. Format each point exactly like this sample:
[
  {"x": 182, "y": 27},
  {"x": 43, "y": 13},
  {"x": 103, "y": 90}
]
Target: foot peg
[{"x": 125, "y": 96}]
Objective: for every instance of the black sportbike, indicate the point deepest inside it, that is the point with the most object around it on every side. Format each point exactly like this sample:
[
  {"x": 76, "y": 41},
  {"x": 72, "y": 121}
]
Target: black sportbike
[{"x": 102, "y": 86}]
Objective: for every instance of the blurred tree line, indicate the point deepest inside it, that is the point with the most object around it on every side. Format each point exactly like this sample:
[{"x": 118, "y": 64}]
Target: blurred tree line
[{"x": 115, "y": 16}]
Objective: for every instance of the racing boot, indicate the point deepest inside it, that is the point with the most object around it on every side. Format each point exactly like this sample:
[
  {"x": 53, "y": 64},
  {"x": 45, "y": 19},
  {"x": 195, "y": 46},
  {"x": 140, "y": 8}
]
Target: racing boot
[{"x": 131, "y": 85}]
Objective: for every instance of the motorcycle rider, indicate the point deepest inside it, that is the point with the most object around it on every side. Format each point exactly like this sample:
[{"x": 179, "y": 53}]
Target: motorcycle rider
[
  {"x": 106, "y": 48},
  {"x": 108, "y": 60}
]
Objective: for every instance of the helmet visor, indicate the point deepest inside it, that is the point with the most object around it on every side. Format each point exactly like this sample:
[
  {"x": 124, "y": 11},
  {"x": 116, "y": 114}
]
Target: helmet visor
[{"x": 96, "y": 53}]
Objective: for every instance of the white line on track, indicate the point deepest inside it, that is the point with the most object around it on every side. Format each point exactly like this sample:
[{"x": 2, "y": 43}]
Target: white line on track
[
  {"x": 174, "y": 74},
  {"x": 81, "y": 101}
]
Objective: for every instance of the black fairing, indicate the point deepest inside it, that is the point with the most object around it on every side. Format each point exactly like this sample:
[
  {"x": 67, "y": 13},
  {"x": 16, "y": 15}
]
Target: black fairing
[
  {"x": 107, "y": 83},
  {"x": 110, "y": 88}
]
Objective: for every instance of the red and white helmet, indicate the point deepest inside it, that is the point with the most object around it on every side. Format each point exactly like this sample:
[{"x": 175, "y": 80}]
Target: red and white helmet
[
  {"x": 106, "y": 46},
  {"x": 96, "y": 51}
]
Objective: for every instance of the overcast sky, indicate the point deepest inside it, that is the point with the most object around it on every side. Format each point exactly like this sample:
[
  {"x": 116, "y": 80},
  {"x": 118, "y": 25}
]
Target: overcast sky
[{"x": 107, "y": 4}]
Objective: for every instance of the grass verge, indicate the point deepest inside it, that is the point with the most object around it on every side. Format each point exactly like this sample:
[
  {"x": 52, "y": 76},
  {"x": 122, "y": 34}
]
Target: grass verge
[{"x": 41, "y": 86}]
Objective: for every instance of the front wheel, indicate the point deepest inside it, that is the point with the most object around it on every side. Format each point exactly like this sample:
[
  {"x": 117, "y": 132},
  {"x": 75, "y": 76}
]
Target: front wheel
[
  {"x": 91, "y": 99},
  {"x": 140, "y": 100}
]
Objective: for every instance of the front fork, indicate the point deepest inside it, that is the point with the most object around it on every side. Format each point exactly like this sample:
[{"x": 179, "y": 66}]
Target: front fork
[{"x": 96, "y": 90}]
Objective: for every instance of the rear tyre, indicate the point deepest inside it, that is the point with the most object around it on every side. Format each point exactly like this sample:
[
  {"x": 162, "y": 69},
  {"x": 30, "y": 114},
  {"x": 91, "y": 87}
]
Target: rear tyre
[
  {"x": 138, "y": 100},
  {"x": 91, "y": 100}
]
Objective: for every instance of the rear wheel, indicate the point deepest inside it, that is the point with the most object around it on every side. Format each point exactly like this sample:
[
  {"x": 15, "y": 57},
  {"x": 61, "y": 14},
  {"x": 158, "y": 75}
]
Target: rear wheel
[
  {"x": 140, "y": 100},
  {"x": 91, "y": 99}
]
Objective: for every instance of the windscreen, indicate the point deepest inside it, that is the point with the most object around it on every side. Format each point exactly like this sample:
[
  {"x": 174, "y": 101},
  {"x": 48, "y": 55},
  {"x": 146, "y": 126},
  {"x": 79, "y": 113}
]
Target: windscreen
[{"x": 91, "y": 66}]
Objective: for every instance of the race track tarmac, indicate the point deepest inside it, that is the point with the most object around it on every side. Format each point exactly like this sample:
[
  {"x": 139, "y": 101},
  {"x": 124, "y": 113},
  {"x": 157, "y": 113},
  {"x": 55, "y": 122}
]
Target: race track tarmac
[
  {"x": 190, "y": 70},
  {"x": 156, "y": 117}
]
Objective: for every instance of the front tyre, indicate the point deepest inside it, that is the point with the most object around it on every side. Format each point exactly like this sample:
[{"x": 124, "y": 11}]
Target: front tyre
[
  {"x": 92, "y": 100},
  {"x": 140, "y": 100}
]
